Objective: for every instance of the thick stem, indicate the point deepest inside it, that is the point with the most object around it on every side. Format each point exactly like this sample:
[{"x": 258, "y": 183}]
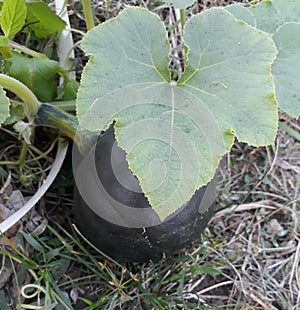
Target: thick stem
[
  {"x": 88, "y": 14},
  {"x": 50, "y": 116},
  {"x": 32, "y": 104}
]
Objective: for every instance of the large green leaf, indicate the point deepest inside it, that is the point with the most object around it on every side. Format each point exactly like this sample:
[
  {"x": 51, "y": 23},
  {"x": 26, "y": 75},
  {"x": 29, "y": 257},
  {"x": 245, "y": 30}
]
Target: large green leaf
[
  {"x": 275, "y": 17},
  {"x": 43, "y": 21},
  {"x": 37, "y": 74},
  {"x": 269, "y": 15},
  {"x": 174, "y": 134},
  {"x": 12, "y": 17},
  {"x": 4, "y": 106}
]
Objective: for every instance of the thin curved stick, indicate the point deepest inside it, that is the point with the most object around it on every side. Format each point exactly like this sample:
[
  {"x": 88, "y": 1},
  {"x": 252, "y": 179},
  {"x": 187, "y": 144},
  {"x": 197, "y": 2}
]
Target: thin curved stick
[{"x": 60, "y": 156}]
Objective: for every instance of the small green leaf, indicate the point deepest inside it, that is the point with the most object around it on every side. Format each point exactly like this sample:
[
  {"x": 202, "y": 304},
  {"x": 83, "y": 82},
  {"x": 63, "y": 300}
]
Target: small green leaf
[
  {"x": 64, "y": 296},
  {"x": 33, "y": 242},
  {"x": 16, "y": 114},
  {"x": 4, "y": 106},
  {"x": 180, "y": 4},
  {"x": 44, "y": 21},
  {"x": 200, "y": 269},
  {"x": 69, "y": 91},
  {"x": 13, "y": 16},
  {"x": 24, "y": 130},
  {"x": 174, "y": 135},
  {"x": 37, "y": 74},
  {"x": 212, "y": 271}
]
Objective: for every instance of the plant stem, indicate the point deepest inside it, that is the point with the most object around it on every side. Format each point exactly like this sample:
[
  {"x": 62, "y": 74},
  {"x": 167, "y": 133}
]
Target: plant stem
[
  {"x": 43, "y": 155},
  {"x": 32, "y": 104},
  {"x": 51, "y": 116},
  {"x": 69, "y": 105},
  {"x": 27, "y": 50},
  {"x": 21, "y": 161},
  {"x": 88, "y": 14},
  {"x": 107, "y": 8},
  {"x": 182, "y": 18}
]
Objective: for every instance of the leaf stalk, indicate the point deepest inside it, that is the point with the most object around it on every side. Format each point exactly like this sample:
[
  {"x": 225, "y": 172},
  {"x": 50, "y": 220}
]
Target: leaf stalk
[
  {"x": 182, "y": 18},
  {"x": 31, "y": 103},
  {"x": 88, "y": 14}
]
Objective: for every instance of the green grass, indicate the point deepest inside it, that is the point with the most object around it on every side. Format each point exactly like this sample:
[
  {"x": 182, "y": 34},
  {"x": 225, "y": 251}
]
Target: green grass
[{"x": 58, "y": 265}]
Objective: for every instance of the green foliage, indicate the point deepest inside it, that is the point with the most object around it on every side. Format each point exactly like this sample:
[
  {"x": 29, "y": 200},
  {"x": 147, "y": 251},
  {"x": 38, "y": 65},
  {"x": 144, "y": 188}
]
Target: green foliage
[
  {"x": 4, "y": 106},
  {"x": 53, "y": 254},
  {"x": 281, "y": 20},
  {"x": 38, "y": 15},
  {"x": 43, "y": 21},
  {"x": 286, "y": 67},
  {"x": 269, "y": 15},
  {"x": 4, "y": 47},
  {"x": 30, "y": 68},
  {"x": 174, "y": 132},
  {"x": 16, "y": 113},
  {"x": 69, "y": 89},
  {"x": 24, "y": 130},
  {"x": 37, "y": 74},
  {"x": 184, "y": 129},
  {"x": 13, "y": 16},
  {"x": 12, "y": 19}
]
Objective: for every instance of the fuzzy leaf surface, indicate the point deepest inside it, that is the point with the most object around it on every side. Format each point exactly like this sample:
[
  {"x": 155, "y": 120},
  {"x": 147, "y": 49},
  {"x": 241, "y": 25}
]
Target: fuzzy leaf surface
[
  {"x": 280, "y": 19},
  {"x": 286, "y": 68},
  {"x": 174, "y": 134},
  {"x": 181, "y": 4},
  {"x": 4, "y": 106},
  {"x": 269, "y": 15}
]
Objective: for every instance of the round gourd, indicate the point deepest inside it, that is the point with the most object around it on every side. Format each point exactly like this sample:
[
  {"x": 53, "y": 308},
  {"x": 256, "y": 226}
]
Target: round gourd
[{"x": 114, "y": 214}]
